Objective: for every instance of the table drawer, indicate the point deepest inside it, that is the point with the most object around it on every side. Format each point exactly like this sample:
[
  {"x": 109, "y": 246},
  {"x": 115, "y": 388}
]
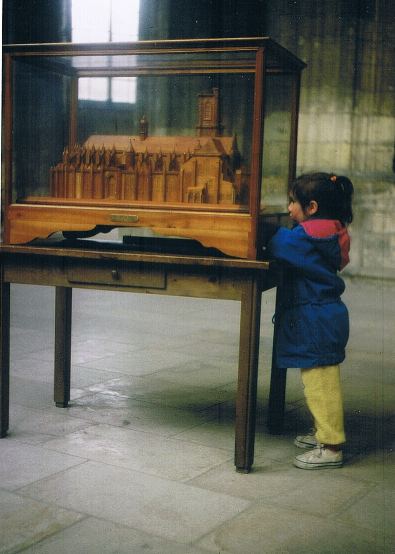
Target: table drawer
[{"x": 116, "y": 274}]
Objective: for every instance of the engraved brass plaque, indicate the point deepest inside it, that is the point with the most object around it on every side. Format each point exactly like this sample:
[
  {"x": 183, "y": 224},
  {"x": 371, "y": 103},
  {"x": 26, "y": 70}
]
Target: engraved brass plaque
[{"x": 117, "y": 218}]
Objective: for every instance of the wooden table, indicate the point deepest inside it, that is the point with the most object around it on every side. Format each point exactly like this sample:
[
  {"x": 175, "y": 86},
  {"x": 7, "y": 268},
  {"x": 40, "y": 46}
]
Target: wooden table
[{"x": 66, "y": 266}]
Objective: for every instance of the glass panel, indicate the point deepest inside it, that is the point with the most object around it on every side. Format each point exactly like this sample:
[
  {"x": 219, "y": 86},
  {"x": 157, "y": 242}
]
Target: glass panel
[
  {"x": 162, "y": 138},
  {"x": 40, "y": 126},
  {"x": 184, "y": 139},
  {"x": 93, "y": 89},
  {"x": 276, "y": 146},
  {"x": 124, "y": 89},
  {"x": 162, "y": 62}
]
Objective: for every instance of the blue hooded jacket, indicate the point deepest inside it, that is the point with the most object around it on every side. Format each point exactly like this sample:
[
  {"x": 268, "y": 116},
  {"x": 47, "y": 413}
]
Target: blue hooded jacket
[{"x": 313, "y": 323}]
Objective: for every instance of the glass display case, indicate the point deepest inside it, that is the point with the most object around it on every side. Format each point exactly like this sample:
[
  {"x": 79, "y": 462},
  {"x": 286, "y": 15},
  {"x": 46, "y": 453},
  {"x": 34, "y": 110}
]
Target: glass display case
[{"x": 188, "y": 138}]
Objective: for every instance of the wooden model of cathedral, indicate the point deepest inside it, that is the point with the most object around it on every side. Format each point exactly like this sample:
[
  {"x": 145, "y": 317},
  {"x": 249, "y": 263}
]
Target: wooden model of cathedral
[{"x": 204, "y": 169}]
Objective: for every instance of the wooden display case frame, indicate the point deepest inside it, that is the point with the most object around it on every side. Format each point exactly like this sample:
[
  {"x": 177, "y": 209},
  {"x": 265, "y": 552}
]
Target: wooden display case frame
[{"x": 234, "y": 230}]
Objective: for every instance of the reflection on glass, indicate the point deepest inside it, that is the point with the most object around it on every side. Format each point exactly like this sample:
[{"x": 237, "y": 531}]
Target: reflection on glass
[
  {"x": 171, "y": 105},
  {"x": 93, "y": 88},
  {"x": 102, "y": 89},
  {"x": 123, "y": 89},
  {"x": 113, "y": 21},
  {"x": 276, "y": 146}
]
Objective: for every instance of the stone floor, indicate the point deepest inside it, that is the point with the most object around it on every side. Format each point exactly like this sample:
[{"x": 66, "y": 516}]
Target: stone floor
[{"x": 142, "y": 460}]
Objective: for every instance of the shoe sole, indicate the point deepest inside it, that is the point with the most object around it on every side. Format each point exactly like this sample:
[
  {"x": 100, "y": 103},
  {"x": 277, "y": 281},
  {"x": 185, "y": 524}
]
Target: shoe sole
[
  {"x": 305, "y": 445},
  {"x": 307, "y": 465}
]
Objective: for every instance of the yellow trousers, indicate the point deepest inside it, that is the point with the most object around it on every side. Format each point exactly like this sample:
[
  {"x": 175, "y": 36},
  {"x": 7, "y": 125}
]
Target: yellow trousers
[{"x": 322, "y": 389}]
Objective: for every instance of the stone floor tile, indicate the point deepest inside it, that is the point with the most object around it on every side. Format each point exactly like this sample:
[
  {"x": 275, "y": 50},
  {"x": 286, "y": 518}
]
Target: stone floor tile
[
  {"x": 40, "y": 370},
  {"x": 217, "y": 335},
  {"x": 152, "y": 389},
  {"x": 368, "y": 396},
  {"x": 328, "y": 492},
  {"x": 123, "y": 411},
  {"x": 376, "y": 466},
  {"x": 37, "y": 309},
  {"x": 274, "y": 447},
  {"x": 146, "y": 452},
  {"x": 211, "y": 351},
  {"x": 268, "y": 480},
  {"x": 35, "y": 369},
  {"x": 220, "y": 433},
  {"x": 95, "y": 536},
  {"x": 24, "y": 522},
  {"x": 269, "y": 529},
  {"x": 36, "y": 394},
  {"x": 368, "y": 433},
  {"x": 212, "y": 433},
  {"x": 140, "y": 362},
  {"x": 216, "y": 313},
  {"x": 125, "y": 305},
  {"x": 152, "y": 323},
  {"x": 363, "y": 365},
  {"x": 26, "y": 341},
  {"x": 197, "y": 373},
  {"x": 31, "y": 393},
  {"x": 21, "y": 464},
  {"x": 38, "y": 426},
  {"x": 374, "y": 511},
  {"x": 87, "y": 351},
  {"x": 136, "y": 339},
  {"x": 82, "y": 377},
  {"x": 163, "y": 508},
  {"x": 371, "y": 337}
]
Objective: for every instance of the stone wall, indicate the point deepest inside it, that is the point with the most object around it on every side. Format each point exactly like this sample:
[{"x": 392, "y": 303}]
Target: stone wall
[{"x": 347, "y": 122}]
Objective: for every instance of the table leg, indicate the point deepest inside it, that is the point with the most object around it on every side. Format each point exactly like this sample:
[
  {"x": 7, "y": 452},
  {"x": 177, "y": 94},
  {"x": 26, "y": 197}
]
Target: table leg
[
  {"x": 275, "y": 420},
  {"x": 248, "y": 374},
  {"x": 4, "y": 355},
  {"x": 63, "y": 309},
  {"x": 278, "y": 381}
]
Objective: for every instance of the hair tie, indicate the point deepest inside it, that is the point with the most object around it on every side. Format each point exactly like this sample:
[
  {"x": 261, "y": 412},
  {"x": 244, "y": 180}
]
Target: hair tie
[{"x": 333, "y": 178}]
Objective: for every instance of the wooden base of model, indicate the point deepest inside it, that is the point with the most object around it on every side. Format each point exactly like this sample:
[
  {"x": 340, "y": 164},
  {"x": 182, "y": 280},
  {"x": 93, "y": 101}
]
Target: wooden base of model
[{"x": 229, "y": 232}]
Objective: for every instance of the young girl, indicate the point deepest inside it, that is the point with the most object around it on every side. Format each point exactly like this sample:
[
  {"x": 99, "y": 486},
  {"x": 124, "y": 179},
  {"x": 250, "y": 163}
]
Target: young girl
[{"x": 312, "y": 320}]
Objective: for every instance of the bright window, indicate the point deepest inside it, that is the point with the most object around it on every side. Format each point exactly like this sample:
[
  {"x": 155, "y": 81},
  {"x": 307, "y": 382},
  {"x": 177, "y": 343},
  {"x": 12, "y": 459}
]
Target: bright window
[
  {"x": 123, "y": 89},
  {"x": 95, "y": 88},
  {"x": 106, "y": 21}
]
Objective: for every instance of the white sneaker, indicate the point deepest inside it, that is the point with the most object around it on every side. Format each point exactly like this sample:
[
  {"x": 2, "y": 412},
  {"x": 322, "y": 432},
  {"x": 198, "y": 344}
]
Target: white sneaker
[
  {"x": 306, "y": 441},
  {"x": 319, "y": 458}
]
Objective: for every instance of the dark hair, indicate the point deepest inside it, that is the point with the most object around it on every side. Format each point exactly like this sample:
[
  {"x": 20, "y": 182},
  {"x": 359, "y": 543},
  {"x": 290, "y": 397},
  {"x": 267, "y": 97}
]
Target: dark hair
[{"x": 333, "y": 194}]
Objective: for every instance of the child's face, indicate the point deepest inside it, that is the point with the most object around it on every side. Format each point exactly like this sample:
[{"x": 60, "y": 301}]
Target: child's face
[
  {"x": 296, "y": 211},
  {"x": 299, "y": 214}
]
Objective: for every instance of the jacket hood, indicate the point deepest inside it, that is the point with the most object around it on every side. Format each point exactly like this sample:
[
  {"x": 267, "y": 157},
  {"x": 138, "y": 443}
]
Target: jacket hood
[{"x": 330, "y": 238}]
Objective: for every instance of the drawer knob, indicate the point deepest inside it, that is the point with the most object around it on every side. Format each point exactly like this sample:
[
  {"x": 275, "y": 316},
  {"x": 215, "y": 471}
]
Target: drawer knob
[{"x": 115, "y": 274}]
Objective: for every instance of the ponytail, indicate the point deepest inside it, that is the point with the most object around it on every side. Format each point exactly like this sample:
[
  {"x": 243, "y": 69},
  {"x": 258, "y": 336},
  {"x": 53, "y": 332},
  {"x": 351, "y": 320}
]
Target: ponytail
[{"x": 345, "y": 192}]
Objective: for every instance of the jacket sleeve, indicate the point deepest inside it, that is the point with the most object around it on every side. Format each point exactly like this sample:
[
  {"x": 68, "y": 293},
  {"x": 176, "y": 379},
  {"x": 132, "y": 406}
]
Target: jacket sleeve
[
  {"x": 269, "y": 229},
  {"x": 290, "y": 247}
]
